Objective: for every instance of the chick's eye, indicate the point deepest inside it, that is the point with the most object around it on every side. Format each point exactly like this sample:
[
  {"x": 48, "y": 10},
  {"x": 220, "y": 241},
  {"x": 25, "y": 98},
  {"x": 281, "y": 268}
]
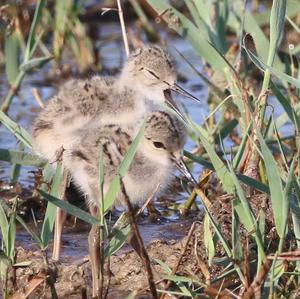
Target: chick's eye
[
  {"x": 153, "y": 74},
  {"x": 158, "y": 144}
]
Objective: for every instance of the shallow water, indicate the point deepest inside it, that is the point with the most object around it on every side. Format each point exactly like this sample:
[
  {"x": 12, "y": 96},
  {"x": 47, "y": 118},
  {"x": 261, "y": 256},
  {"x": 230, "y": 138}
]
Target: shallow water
[{"x": 74, "y": 240}]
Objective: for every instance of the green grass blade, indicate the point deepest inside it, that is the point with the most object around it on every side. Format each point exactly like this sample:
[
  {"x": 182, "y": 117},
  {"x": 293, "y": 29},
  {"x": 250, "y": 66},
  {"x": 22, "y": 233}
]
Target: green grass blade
[
  {"x": 212, "y": 87},
  {"x": 48, "y": 174},
  {"x": 114, "y": 187},
  {"x": 69, "y": 208},
  {"x": 199, "y": 160},
  {"x": 293, "y": 24},
  {"x": 251, "y": 25},
  {"x": 264, "y": 67},
  {"x": 283, "y": 151},
  {"x": 22, "y": 158},
  {"x": 101, "y": 176},
  {"x": 15, "y": 172},
  {"x": 194, "y": 13},
  {"x": 131, "y": 152},
  {"x": 236, "y": 238},
  {"x": 32, "y": 33},
  {"x": 3, "y": 224},
  {"x": 253, "y": 183},
  {"x": 243, "y": 209},
  {"x": 164, "y": 266},
  {"x": 206, "y": 26},
  {"x": 287, "y": 197},
  {"x": 119, "y": 235},
  {"x": 190, "y": 32},
  {"x": 226, "y": 130},
  {"x": 101, "y": 168},
  {"x": 150, "y": 31},
  {"x": 62, "y": 9},
  {"x": 51, "y": 208},
  {"x": 29, "y": 230},
  {"x": 216, "y": 227},
  {"x": 224, "y": 243},
  {"x": 219, "y": 166},
  {"x": 263, "y": 18},
  {"x": 295, "y": 202},
  {"x": 16, "y": 167},
  {"x": 204, "y": 11},
  {"x": 34, "y": 63},
  {"x": 12, "y": 56},
  {"x": 17, "y": 130},
  {"x": 243, "y": 178},
  {"x": 238, "y": 157},
  {"x": 209, "y": 240},
  {"x": 286, "y": 105},
  {"x": 279, "y": 202},
  {"x": 12, "y": 231},
  {"x": 277, "y": 20},
  {"x": 184, "y": 291}
]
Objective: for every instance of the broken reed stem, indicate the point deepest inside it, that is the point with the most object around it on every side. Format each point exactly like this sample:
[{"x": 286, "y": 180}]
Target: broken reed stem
[
  {"x": 143, "y": 252},
  {"x": 121, "y": 17},
  {"x": 175, "y": 269},
  {"x": 258, "y": 281}
]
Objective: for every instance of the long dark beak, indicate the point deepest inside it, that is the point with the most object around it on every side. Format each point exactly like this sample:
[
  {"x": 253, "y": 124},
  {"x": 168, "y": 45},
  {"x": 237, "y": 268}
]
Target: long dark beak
[
  {"x": 171, "y": 103},
  {"x": 175, "y": 87},
  {"x": 184, "y": 170}
]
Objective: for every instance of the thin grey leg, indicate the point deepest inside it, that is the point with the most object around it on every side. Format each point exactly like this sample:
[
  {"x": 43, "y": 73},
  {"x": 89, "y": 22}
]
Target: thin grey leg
[{"x": 60, "y": 218}]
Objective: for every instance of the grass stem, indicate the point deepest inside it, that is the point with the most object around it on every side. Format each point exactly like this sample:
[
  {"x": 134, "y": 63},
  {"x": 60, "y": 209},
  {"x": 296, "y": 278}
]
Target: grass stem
[{"x": 124, "y": 34}]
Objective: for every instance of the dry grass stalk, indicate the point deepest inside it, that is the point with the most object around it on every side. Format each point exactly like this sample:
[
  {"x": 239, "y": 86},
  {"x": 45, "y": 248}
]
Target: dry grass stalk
[
  {"x": 120, "y": 11},
  {"x": 258, "y": 281},
  {"x": 141, "y": 248},
  {"x": 37, "y": 97}
]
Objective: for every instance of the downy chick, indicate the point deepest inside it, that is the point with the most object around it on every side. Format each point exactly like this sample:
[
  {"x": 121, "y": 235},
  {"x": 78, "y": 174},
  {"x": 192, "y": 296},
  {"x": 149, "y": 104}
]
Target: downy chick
[
  {"x": 159, "y": 152},
  {"x": 146, "y": 78}
]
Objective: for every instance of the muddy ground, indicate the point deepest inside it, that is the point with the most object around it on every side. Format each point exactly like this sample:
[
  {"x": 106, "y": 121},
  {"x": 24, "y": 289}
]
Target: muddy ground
[
  {"x": 72, "y": 275},
  {"x": 178, "y": 244}
]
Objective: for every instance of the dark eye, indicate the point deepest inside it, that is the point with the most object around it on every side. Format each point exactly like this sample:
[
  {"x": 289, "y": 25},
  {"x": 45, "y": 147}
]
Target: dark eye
[
  {"x": 153, "y": 74},
  {"x": 158, "y": 144}
]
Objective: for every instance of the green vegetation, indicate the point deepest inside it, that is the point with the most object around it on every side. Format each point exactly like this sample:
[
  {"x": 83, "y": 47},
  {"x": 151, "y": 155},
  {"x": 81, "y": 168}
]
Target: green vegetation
[{"x": 262, "y": 176}]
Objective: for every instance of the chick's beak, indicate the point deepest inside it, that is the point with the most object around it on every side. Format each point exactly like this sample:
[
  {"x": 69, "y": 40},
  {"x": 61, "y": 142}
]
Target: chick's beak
[
  {"x": 175, "y": 87},
  {"x": 184, "y": 170},
  {"x": 172, "y": 104}
]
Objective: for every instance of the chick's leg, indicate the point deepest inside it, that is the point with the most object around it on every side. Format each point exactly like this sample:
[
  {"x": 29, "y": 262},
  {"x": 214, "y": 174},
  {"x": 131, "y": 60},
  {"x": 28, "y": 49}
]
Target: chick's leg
[{"x": 60, "y": 219}]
